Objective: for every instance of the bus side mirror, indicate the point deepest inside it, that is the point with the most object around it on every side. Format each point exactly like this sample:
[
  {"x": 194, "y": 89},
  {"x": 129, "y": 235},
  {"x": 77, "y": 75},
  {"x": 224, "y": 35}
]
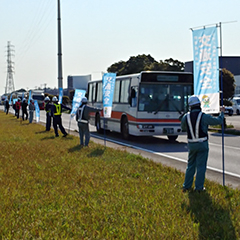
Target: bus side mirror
[
  {"x": 130, "y": 100},
  {"x": 133, "y": 93}
]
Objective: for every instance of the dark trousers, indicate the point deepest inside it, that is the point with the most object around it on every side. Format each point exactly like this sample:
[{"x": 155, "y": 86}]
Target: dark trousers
[
  {"x": 17, "y": 113},
  {"x": 24, "y": 113},
  {"x": 57, "y": 121},
  {"x": 7, "y": 109},
  {"x": 48, "y": 121}
]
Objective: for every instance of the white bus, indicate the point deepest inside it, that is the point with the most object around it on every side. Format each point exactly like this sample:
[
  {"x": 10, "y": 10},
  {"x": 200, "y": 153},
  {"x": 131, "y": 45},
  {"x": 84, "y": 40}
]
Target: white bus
[{"x": 144, "y": 104}]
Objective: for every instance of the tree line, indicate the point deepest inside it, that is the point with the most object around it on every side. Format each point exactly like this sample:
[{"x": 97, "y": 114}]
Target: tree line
[{"x": 136, "y": 64}]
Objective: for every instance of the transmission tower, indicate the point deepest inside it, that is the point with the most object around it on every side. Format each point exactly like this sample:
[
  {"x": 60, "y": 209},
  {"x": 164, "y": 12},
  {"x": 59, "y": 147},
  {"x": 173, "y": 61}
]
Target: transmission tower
[{"x": 9, "y": 82}]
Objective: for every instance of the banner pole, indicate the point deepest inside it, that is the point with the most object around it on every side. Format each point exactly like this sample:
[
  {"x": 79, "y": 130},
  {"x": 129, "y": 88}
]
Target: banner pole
[
  {"x": 69, "y": 125},
  {"x": 104, "y": 132},
  {"x": 223, "y": 162}
]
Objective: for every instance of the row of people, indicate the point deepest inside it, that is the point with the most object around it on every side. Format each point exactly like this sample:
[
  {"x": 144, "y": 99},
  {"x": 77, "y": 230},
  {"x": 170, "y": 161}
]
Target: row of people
[
  {"x": 18, "y": 105},
  {"x": 54, "y": 110}
]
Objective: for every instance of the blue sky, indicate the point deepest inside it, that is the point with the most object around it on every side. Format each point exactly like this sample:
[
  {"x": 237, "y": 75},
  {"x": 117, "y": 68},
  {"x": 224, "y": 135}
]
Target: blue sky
[{"x": 98, "y": 33}]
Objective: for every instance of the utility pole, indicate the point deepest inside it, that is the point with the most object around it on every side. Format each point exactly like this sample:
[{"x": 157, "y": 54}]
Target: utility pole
[
  {"x": 60, "y": 79},
  {"x": 9, "y": 82}
]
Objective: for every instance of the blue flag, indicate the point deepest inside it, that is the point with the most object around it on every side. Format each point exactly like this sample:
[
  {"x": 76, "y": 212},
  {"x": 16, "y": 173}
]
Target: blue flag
[
  {"x": 29, "y": 97},
  {"x": 108, "y": 91},
  {"x": 78, "y": 95},
  {"x": 60, "y": 95},
  {"x": 10, "y": 101},
  {"x": 206, "y": 68},
  {"x": 37, "y": 110}
]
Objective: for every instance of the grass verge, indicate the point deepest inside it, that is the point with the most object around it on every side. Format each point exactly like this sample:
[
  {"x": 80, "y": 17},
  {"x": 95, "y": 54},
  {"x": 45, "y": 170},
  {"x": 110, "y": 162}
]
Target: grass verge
[{"x": 50, "y": 188}]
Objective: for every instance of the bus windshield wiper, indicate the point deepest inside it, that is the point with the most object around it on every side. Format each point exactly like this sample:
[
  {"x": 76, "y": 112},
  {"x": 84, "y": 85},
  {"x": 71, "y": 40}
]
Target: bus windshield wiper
[
  {"x": 160, "y": 105},
  {"x": 170, "y": 101}
]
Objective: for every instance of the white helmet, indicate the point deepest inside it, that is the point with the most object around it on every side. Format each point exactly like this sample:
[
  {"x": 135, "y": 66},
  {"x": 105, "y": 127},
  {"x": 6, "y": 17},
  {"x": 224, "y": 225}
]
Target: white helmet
[
  {"x": 54, "y": 99},
  {"x": 46, "y": 99},
  {"x": 193, "y": 100},
  {"x": 84, "y": 100}
]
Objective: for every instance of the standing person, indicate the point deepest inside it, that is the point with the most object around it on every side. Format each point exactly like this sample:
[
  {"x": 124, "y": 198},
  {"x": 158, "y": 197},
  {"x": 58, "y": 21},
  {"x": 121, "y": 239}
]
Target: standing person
[
  {"x": 82, "y": 117},
  {"x": 14, "y": 108},
  {"x": 7, "y": 106},
  {"x": 56, "y": 112},
  {"x": 196, "y": 124},
  {"x": 47, "y": 108},
  {"x": 31, "y": 108},
  {"x": 4, "y": 103},
  {"x": 24, "y": 109},
  {"x": 18, "y": 107}
]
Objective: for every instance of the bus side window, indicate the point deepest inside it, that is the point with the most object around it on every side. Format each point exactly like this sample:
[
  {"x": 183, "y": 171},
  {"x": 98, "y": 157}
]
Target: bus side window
[
  {"x": 124, "y": 89},
  {"x": 94, "y": 93}
]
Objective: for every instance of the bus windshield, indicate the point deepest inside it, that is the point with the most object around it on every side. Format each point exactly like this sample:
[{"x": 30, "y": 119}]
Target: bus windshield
[
  {"x": 38, "y": 97},
  {"x": 164, "y": 97}
]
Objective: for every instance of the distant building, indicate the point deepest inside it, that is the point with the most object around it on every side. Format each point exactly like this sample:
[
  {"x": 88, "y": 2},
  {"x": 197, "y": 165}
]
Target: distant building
[
  {"x": 53, "y": 91},
  {"x": 78, "y": 82},
  {"x": 232, "y": 64}
]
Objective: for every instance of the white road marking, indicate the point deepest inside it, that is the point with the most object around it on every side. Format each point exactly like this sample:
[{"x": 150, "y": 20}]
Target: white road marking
[
  {"x": 225, "y": 146},
  {"x": 168, "y": 156}
]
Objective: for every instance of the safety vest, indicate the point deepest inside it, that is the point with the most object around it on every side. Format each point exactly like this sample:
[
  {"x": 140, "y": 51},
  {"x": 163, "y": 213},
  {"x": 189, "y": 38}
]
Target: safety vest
[
  {"x": 80, "y": 115},
  {"x": 195, "y": 132},
  {"x": 58, "y": 109}
]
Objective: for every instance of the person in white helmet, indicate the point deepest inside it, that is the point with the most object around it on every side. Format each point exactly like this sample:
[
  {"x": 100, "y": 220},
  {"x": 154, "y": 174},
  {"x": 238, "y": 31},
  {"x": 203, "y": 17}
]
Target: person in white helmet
[
  {"x": 56, "y": 113},
  {"x": 82, "y": 117},
  {"x": 196, "y": 123},
  {"x": 47, "y": 108}
]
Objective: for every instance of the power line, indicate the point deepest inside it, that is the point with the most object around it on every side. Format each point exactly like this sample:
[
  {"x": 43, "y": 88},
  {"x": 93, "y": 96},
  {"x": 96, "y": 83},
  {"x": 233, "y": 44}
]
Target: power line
[{"x": 39, "y": 24}]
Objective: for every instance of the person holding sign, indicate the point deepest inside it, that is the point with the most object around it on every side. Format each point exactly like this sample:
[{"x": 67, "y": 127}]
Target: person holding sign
[
  {"x": 82, "y": 117},
  {"x": 31, "y": 108},
  {"x": 196, "y": 124},
  {"x": 56, "y": 113},
  {"x": 18, "y": 107}
]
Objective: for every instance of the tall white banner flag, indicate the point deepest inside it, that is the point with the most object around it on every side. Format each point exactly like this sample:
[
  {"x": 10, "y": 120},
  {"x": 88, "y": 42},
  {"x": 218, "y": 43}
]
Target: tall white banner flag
[{"x": 206, "y": 68}]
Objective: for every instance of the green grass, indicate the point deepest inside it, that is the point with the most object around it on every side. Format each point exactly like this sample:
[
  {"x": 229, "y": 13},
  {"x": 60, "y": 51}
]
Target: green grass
[{"x": 50, "y": 188}]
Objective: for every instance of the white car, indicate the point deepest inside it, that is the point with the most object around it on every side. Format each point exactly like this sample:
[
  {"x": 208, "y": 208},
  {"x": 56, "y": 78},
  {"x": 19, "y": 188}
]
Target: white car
[{"x": 236, "y": 105}]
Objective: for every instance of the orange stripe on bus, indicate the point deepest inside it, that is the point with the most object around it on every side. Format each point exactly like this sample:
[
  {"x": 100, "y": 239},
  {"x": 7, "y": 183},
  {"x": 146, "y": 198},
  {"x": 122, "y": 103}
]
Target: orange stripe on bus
[{"x": 118, "y": 115}]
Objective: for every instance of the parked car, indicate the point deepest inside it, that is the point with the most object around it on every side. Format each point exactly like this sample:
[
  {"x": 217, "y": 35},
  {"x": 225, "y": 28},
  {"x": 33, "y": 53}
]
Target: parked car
[
  {"x": 229, "y": 111},
  {"x": 40, "y": 98},
  {"x": 236, "y": 105}
]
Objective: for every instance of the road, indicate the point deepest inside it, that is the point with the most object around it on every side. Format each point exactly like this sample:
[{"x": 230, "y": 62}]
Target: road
[{"x": 174, "y": 154}]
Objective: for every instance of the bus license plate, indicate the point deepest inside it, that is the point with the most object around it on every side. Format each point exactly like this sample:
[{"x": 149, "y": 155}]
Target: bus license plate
[{"x": 168, "y": 130}]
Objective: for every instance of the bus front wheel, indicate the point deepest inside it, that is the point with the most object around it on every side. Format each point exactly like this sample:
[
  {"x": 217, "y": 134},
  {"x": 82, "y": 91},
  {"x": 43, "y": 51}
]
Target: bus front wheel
[
  {"x": 98, "y": 124},
  {"x": 125, "y": 128},
  {"x": 172, "y": 138}
]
